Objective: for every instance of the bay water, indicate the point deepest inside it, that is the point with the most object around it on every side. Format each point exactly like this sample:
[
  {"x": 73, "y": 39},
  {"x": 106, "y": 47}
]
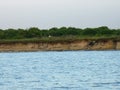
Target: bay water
[{"x": 60, "y": 70}]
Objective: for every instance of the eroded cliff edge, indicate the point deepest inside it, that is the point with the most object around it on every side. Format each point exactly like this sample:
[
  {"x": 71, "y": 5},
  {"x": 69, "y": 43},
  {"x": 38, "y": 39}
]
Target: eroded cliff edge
[{"x": 61, "y": 46}]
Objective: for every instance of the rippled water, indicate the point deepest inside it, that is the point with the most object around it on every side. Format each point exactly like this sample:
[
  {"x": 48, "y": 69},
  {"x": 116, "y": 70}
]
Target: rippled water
[{"x": 69, "y": 70}]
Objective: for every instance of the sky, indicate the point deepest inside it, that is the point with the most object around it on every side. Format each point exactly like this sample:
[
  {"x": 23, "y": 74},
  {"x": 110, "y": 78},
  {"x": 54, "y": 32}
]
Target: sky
[{"x": 57, "y": 13}]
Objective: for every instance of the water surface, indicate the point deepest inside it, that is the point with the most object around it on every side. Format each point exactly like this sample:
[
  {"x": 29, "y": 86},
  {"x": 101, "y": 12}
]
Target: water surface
[{"x": 67, "y": 70}]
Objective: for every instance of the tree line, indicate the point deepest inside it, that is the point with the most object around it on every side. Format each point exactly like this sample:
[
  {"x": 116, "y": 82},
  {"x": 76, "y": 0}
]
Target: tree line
[{"x": 35, "y": 32}]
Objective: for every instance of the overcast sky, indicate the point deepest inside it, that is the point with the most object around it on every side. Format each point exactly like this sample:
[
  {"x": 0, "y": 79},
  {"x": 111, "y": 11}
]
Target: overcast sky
[{"x": 58, "y": 13}]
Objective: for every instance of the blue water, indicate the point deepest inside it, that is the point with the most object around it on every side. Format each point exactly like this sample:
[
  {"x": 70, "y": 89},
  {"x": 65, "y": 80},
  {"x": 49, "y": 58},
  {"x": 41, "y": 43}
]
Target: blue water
[{"x": 67, "y": 70}]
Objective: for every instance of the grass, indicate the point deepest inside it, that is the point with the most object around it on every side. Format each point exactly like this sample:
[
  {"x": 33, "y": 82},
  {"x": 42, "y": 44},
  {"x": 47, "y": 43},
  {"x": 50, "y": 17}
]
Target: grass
[{"x": 59, "y": 39}]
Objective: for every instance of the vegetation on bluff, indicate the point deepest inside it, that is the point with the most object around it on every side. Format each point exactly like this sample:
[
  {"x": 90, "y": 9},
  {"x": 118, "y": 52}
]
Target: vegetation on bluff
[{"x": 56, "y": 34}]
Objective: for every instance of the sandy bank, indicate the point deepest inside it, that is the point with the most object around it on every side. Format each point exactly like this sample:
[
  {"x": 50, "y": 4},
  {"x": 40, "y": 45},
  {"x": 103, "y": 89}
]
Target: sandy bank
[{"x": 61, "y": 46}]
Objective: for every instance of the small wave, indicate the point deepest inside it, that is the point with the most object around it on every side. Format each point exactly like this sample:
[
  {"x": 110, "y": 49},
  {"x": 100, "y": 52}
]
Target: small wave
[
  {"x": 68, "y": 88},
  {"x": 104, "y": 84}
]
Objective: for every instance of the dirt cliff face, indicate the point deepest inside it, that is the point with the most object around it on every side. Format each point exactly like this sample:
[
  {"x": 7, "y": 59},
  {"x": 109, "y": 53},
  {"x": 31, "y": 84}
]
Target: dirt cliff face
[
  {"x": 118, "y": 45},
  {"x": 102, "y": 45},
  {"x": 73, "y": 45}
]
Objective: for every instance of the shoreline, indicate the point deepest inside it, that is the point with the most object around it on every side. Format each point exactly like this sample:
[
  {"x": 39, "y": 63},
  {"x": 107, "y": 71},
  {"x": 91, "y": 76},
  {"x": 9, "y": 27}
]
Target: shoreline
[
  {"x": 56, "y": 51},
  {"x": 75, "y": 45}
]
